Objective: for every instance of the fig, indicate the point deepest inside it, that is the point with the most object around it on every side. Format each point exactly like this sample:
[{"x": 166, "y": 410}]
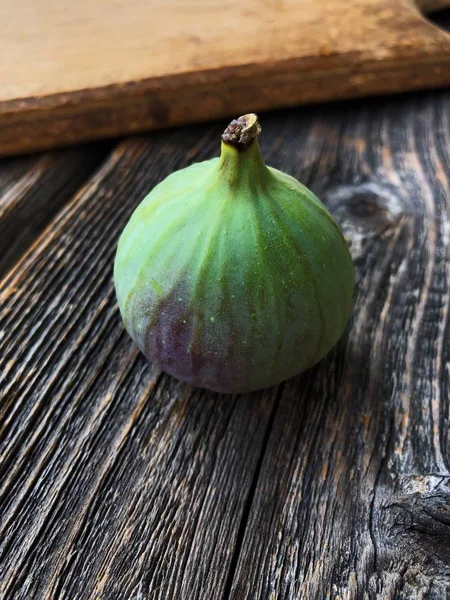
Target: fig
[{"x": 232, "y": 275}]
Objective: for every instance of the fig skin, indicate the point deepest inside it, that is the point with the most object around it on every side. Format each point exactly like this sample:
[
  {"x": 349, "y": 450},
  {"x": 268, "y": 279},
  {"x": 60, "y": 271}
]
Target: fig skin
[{"x": 232, "y": 275}]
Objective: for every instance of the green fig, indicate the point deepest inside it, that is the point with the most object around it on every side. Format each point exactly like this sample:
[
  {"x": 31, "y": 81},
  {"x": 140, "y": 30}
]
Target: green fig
[{"x": 232, "y": 275}]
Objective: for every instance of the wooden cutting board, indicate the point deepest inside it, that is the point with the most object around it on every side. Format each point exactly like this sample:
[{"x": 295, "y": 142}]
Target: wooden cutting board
[{"x": 73, "y": 71}]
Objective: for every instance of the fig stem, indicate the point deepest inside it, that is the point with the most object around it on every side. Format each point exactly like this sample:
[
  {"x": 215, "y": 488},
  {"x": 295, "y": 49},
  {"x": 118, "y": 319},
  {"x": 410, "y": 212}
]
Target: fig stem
[{"x": 241, "y": 132}]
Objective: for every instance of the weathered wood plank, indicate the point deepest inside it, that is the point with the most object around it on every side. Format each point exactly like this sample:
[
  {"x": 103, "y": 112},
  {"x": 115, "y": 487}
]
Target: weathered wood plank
[
  {"x": 118, "y": 482},
  {"x": 33, "y": 189},
  {"x": 115, "y": 481},
  {"x": 353, "y": 497}
]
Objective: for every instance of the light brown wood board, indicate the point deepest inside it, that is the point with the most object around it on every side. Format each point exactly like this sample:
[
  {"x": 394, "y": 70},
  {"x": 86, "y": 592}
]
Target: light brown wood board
[{"x": 75, "y": 71}]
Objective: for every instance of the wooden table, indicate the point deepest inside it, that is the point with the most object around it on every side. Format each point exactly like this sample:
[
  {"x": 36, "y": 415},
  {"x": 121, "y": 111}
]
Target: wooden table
[{"x": 118, "y": 482}]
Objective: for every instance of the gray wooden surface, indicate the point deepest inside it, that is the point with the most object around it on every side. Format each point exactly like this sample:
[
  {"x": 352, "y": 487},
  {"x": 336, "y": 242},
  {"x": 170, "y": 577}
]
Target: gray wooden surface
[{"x": 117, "y": 481}]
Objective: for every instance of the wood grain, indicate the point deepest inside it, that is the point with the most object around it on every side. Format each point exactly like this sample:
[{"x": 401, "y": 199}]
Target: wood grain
[
  {"x": 116, "y": 481},
  {"x": 89, "y": 430},
  {"x": 86, "y": 70},
  {"x": 33, "y": 189},
  {"x": 353, "y": 495}
]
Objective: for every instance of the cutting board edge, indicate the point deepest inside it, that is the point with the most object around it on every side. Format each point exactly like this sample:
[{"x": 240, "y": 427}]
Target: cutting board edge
[{"x": 42, "y": 123}]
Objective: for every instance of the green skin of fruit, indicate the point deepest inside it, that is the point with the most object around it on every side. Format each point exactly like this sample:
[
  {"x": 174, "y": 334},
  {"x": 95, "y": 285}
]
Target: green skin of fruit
[{"x": 232, "y": 275}]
